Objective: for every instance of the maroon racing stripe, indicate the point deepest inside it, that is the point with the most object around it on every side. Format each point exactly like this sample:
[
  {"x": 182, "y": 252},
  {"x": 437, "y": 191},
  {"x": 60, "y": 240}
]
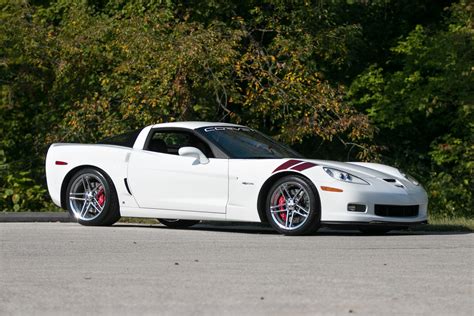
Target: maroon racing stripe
[
  {"x": 287, "y": 165},
  {"x": 304, "y": 166}
]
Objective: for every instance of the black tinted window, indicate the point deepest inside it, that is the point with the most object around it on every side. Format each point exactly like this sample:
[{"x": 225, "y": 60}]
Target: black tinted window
[
  {"x": 126, "y": 139},
  {"x": 169, "y": 142},
  {"x": 243, "y": 142}
]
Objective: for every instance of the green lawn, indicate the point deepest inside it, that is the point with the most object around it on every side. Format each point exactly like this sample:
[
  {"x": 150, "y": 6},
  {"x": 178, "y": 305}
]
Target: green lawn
[{"x": 441, "y": 224}]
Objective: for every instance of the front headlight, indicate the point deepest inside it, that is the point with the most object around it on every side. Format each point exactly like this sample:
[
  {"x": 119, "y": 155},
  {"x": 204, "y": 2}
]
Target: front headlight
[
  {"x": 410, "y": 178},
  {"x": 344, "y": 176}
]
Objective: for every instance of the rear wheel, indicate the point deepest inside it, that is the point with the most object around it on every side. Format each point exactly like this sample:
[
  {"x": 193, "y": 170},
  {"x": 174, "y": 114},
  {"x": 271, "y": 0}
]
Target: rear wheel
[
  {"x": 292, "y": 207},
  {"x": 92, "y": 199},
  {"x": 177, "y": 223}
]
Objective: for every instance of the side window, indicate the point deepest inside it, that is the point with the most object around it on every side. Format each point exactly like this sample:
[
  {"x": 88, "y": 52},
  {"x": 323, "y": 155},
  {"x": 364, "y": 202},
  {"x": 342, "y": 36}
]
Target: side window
[{"x": 169, "y": 142}]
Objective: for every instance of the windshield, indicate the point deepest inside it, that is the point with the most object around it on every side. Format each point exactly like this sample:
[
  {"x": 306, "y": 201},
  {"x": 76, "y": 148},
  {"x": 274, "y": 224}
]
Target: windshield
[{"x": 246, "y": 143}]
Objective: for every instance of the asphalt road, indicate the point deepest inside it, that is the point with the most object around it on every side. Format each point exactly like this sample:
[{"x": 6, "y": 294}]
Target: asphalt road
[{"x": 57, "y": 268}]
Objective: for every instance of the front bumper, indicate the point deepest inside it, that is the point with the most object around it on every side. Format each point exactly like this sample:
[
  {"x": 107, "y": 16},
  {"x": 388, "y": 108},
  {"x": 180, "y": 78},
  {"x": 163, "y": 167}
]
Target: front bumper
[
  {"x": 334, "y": 205},
  {"x": 382, "y": 224}
]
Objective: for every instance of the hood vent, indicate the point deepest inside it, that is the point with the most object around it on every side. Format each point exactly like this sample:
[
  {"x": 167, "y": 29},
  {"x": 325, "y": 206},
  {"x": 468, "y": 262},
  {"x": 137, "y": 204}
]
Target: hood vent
[{"x": 395, "y": 182}]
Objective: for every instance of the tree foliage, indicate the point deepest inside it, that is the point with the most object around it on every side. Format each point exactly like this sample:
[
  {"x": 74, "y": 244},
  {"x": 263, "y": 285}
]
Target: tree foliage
[
  {"x": 422, "y": 100},
  {"x": 387, "y": 80}
]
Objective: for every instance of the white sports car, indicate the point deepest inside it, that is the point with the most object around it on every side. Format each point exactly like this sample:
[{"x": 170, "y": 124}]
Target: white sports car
[{"x": 185, "y": 172}]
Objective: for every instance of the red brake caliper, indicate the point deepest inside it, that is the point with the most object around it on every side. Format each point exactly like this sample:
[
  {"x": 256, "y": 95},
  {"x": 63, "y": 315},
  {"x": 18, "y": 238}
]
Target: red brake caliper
[
  {"x": 281, "y": 203},
  {"x": 100, "y": 196}
]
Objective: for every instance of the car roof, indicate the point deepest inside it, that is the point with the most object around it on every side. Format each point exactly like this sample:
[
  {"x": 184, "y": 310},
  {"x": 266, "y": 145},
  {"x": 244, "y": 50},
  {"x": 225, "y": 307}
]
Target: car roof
[{"x": 192, "y": 124}]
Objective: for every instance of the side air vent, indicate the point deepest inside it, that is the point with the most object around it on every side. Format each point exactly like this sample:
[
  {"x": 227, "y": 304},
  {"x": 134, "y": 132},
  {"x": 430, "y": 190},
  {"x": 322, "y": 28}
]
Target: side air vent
[
  {"x": 126, "y": 186},
  {"x": 390, "y": 180}
]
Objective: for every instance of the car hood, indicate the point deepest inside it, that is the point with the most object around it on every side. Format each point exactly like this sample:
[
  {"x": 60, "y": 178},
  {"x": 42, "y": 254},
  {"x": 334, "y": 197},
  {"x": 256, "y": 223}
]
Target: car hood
[{"x": 367, "y": 169}]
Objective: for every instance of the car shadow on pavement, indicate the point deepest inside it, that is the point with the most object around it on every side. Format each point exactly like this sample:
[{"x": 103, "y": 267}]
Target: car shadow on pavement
[{"x": 262, "y": 229}]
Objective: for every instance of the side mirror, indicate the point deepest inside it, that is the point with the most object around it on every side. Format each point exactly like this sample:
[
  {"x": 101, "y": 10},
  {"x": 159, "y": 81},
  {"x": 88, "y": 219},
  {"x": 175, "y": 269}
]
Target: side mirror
[{"x": 193, "y": 152}]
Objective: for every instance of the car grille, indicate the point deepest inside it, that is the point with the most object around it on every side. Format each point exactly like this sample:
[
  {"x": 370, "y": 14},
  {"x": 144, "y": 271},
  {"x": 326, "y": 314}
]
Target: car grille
[{"x": 396, "y": 210}]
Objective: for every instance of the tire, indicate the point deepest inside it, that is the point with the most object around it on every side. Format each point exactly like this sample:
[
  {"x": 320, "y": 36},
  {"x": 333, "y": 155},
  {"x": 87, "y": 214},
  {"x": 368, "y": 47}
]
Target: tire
[
  {"x": 293, "y": 198},
  {"x": 91, "y": 198},
  {"x": 374, "y": 230},
  {"x": 177, "y": 223}
]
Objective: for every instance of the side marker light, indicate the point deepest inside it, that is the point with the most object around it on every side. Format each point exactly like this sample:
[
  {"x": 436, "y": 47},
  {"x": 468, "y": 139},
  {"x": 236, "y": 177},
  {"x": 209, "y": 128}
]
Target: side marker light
[{"x": 331, "y": 189}]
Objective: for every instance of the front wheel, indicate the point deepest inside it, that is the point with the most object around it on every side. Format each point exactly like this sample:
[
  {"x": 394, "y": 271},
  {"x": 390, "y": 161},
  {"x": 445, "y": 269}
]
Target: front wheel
[
  {"x": 292, "y": 207},
  {"x": 92, "y": 199},
  {"x": 177, "y": 223}
]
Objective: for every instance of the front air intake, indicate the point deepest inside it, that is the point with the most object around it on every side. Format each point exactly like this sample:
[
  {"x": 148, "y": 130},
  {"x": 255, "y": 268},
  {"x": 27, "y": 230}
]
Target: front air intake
[{"x": 396, "y": 210}]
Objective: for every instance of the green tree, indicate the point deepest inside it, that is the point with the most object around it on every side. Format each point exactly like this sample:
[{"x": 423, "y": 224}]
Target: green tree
[
  {"x": 79, "y": 71},
  {"x": 422, "y": 101}
]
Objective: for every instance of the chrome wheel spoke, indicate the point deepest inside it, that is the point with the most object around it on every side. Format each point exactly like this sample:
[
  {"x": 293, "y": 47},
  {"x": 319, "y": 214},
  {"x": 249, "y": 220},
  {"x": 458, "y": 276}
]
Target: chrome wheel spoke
[
  {"x": 298, "y": 196},
  {"x": 277, "y": 206},
  {"x": 284, "y": 192},
  {"x": 77, "y": 194},
  {"x": 297, "y": 193},
  {"x": 301, "y": 214},
  {"x": 294, "y": 212},
  {"x": 302, "y": 209},
  {"x": 95, "y": 190},
  {"x": 291, "y": 219},
  {"x": 85, "y": 184},
  {"x": 84, "y": 195},
  {"x": 279, "y": 211},
  {"x": 96, "y": 205},
  {"x": 77, "y": 198},
  {"x": 84, "y": 209}
]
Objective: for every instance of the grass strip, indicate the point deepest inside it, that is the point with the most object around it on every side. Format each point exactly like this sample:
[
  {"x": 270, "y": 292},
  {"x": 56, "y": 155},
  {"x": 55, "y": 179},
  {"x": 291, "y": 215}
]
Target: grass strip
[{"x": 443, "y": 224}]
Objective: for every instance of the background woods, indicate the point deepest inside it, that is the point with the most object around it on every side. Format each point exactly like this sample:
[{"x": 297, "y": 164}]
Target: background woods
[{"x": 371, "y": 80}]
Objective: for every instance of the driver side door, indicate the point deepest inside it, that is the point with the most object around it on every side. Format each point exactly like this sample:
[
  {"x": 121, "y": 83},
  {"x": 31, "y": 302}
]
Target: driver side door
[{"x": 161, "y": 179}]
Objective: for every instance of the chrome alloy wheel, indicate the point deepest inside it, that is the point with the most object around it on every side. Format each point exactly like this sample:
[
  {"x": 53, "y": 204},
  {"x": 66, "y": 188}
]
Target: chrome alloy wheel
[
  {"x": 290, "y": 205},
  {"x": 87, "y": 197}
]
